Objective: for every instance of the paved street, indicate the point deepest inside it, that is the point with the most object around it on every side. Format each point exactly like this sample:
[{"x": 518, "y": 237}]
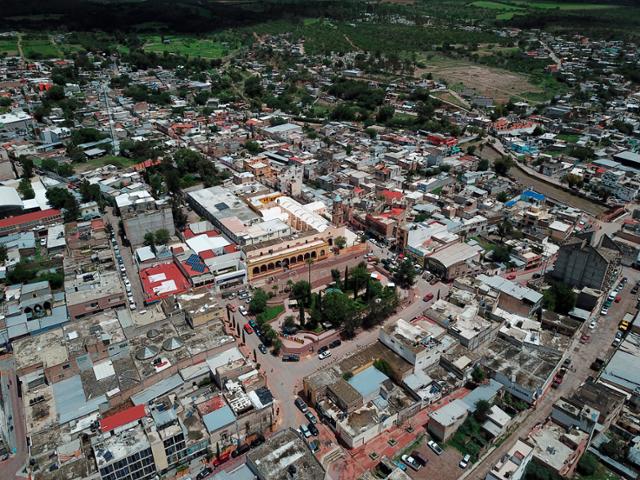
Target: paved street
[{"x": 12, "y": 467}]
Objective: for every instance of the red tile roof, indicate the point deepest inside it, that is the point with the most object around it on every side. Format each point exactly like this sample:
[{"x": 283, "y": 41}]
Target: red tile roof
[
  {"x": 28, "y": 217},
  {"x": 122, "y": 418}
]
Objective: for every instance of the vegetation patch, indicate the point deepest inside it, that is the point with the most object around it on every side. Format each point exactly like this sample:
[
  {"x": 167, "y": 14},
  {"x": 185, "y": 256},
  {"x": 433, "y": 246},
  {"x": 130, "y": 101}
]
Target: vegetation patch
[
  {"x": 187, "y": 45},
  {"x": 9, "y": 46},
  {"x": 35, "y": 48}
]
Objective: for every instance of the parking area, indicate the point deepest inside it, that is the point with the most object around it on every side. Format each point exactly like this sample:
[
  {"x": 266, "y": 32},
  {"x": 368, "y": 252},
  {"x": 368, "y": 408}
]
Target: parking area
[{"x": 440, "y": 467}]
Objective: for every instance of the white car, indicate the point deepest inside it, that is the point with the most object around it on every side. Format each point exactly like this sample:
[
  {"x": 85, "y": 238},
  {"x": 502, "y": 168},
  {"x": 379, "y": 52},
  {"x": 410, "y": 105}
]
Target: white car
[
  {"x": 435, "y": 447},
  {"x": 464, "y": 463},
  {"x": 592, "y": 325},
  {"x": 243, "y": 311},
  {"x": 325, "y": 354},
  {"x": 132, "y": 306},
  {"x": 409, "y": 460},
  {"x": 604, "y": 311}
]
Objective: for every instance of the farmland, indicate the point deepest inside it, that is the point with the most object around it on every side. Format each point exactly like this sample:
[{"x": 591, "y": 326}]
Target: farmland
[
  {"x": 8, "y": 46},
  {"x": 37, "y": 47},
  {"x": 187, "y": 45},
  {"x": 500, "y": 84}
]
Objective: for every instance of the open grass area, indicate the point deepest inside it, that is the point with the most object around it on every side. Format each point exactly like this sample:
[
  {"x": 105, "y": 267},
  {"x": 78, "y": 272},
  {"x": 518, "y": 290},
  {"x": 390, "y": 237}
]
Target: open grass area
[
  {"x": 187, "y": 45},
  {"x": 565, "y": 6},
  {"x": 568, "y": 137},
  {"x": 121, "y": 162},
  {"x": 9, "y": 46},
  {"x": 271, "y": 312},
  {"x": 35, "y": 48}
]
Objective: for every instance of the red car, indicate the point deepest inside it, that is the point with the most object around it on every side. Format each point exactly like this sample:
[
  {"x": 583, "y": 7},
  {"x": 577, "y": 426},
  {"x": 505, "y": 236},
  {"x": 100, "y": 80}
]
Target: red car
[
  {"x": 511, "y": 276},
  {"x": 428, "y": 297},
  {"x": 232, "y": 307},
  {"x": 618, "y": 298},
  {"x": 247, "y": 328}
]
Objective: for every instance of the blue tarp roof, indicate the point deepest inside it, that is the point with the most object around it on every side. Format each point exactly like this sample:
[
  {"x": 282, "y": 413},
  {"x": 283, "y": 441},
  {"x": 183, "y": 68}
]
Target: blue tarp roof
[
  {"x": 71, "y": 402},
  {"x": 367, "y": 382},
  {"x": 218, "y": 418}
]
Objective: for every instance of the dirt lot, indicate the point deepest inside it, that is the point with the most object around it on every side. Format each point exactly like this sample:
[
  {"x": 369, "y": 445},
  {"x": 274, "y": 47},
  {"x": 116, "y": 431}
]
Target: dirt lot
[
  {"x": 442, "y": 467},
  {"x": 499, "y": 84}
]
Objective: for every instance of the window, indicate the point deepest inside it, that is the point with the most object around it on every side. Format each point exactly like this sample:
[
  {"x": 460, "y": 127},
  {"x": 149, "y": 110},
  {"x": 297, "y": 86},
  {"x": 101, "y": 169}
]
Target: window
[{"x": 66, "y": 366}]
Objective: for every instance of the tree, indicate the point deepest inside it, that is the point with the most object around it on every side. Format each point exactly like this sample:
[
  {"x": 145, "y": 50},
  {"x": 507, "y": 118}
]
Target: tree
[
  {"x": 162, "y": 236},
  {"x": 252, "y": 146},
  {"x": 25, "y": 189},
  {"x": 471, "y": 150},
  {"x": 3, "y": 253},
  {"x": 501, "y": 254},
  {"x": 573, "y": 181},
  {"x": 587, "y": 464},
  {"x": 340, "y": 242},
  {"x": 559, "y": 298},
  {"x": 505, "y": 229},
  {"x": 502, "y": 165},
  {"x": 258, "y": 303},
  {"x": 301, "y": 292},
  {"x": 478, "y": 375},
  {"x": 61, "y": 198},
  {"x": 385, "y": 113},
  {"x": 483, "y": 165},
  {"x": 483, "y": 408},
  {"x": 27, "y": 167},
  {"x": 150, "y": 240},
  {"x": 337, "y": 308},
  {"x": 405, "y": 275},
  {"x": 502, "y": 197},
  {"x": 335, "y": 276},
  {"x": 359, "y": 278}
]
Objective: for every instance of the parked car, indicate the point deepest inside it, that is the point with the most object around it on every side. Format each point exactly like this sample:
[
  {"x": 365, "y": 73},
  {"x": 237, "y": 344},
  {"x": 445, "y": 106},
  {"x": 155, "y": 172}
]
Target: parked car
[
  {"x": 314, "y": 445},
  {"x": 244, "y": 448},
  {"x": 204, "y": 473},
  {"x": 435, "y": 447},
  {"x": 262, "y": 348},
  {"x": 302, "y": 406},
  {"x": 428, "y": 297},
  {"x": 248, "y": 329},
  {"x": 313, "y": 429},
  {"x": 305, "y": 431},
  {"x": 592, "y": 325},
  {"x": 604, "y": 311},
  {"x": 325, "y": 354},
  {"x": 585, "y": 339},
  {"x": 256, "y": 442},
  {"x": 400, "y": 465},
  {"x": 411, "y": 462},
  {"x": 311, "y": 417},
  {"x": 291, "y": 357},
  {"x": 323, "y": 349},
  {"x": 419, "y": 458},
  {"x": 618, "y": 298},
  {"x": 616, "y": 342},
  {"x": 243, "y": 310},
  {"x": 464, "y": 463},
  {"x": 511, "y": 276},
  {"x": 336, "y": 343}
]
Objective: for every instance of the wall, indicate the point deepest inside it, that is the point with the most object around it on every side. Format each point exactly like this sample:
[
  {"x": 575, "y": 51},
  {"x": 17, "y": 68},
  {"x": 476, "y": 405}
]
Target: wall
[{"x": 144, "y": 222}]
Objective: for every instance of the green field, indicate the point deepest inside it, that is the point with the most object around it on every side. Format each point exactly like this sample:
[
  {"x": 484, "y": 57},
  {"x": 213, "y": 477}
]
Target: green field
[
  {"x": 39, "y": 47},
  {"x": 510, "y": 8},
  {"x": 186, "y": 45},
  {"x": 9, "y": 46}
]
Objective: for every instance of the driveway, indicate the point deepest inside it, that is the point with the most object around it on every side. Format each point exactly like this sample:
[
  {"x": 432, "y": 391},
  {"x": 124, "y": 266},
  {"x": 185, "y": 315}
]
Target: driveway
[{"x": 440, "y": 467}]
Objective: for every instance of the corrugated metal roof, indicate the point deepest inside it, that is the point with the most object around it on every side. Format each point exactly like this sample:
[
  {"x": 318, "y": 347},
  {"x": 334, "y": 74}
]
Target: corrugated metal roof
[
  {"x": 71, "y": 402},
  {"x": 218, "y": 418},
  {"x": 155, "y": 391},
  {"x": 368, "y": 381}
]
